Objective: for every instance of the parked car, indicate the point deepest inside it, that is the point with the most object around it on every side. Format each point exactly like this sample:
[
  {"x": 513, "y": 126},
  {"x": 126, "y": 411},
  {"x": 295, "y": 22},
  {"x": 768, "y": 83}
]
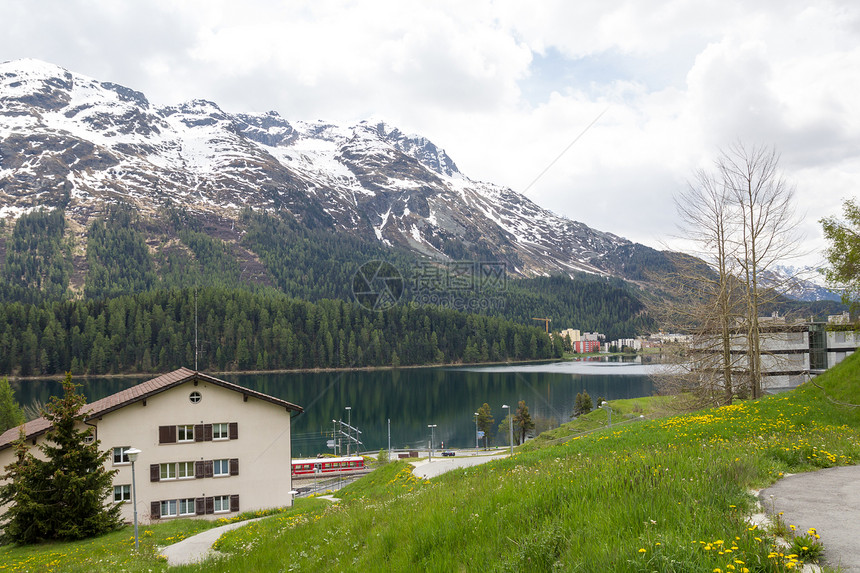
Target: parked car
[{"x": 449, "y": 453}]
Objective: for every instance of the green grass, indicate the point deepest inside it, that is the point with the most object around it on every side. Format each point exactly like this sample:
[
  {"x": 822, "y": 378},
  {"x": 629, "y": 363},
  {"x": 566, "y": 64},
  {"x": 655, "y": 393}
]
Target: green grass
[
  {"x": 115, "y": 551},
  {"x": 662, "y": 494},
  {"x": 111, "y": 552}
]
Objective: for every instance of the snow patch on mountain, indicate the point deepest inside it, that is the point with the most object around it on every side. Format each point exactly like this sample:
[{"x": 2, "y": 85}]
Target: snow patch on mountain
[{"x": 64, "y": 133}]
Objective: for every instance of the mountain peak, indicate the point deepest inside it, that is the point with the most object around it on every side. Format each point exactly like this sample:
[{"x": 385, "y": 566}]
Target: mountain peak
[{"x": 72, "y": 141}]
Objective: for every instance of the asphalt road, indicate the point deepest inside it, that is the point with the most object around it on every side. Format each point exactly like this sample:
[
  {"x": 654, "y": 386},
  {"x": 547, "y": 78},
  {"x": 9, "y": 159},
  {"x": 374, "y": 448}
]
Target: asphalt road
[
  {"x": 427, "y": 469},
  {"x": 829, "y": 501}
]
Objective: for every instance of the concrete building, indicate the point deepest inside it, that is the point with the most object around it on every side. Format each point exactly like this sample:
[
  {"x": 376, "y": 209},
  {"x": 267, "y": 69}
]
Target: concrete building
[
  {"x": 791, "y": 352},
  {"x": 209, "y": 448},
  {"x": 572, "y": 333}
]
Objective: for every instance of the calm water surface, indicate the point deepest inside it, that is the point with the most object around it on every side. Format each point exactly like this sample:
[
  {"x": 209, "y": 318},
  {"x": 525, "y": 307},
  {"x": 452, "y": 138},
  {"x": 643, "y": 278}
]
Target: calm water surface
[{"x": 412, "y": 398}]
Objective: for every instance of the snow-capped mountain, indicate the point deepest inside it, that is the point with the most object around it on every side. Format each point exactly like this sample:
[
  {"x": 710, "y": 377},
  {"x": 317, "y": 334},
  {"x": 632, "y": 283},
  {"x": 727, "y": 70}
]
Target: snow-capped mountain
[
  {"x": 798, "y": 283},
  {"x": 72, "y": 141}
]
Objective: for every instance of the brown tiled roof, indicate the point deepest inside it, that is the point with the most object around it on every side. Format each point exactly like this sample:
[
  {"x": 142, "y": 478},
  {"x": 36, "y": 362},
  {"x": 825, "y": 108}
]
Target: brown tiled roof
[{"x": 137, "y": 393}]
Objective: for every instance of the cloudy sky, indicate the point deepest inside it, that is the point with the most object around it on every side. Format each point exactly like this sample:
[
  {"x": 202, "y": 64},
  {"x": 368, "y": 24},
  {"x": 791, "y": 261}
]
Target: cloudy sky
[{"x": 509, "y": 88}]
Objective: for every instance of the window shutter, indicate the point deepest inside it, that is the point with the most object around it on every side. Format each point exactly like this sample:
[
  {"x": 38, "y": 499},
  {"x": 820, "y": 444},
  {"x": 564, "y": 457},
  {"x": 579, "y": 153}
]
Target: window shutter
[
  {"x": 207, "y": 432},
  {"x": 155, "y": 510},
  {"x": 234, "y": 430},
  {"x": 208, "y": 469},
  {"x": 210, "y": 505},
  {"x": 166, "y": 434},
  {"x": 154, "y": 472},
  {"x": 234, "y": 502},
  {"x": 198, "y": 469},
  {"x": 234, "y": 466},
  {"x": 200, "y": 505},
  {"x": 198, "y": 432}
]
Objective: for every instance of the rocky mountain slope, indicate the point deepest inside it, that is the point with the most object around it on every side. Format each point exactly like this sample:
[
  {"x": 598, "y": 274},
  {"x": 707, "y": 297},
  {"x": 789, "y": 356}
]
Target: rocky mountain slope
[{"x": 72, "y": 141}]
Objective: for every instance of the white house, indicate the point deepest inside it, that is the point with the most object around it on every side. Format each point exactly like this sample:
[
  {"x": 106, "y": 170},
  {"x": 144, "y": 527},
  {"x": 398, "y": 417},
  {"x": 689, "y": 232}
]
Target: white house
[{"x": 209, "y": 448}]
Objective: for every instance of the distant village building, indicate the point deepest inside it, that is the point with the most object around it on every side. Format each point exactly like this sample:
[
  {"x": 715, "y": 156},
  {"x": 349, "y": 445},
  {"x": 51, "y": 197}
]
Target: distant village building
[
  {"x": 585, "y": 346},
  {"x": 843, "y": 318},
  {"x": 572, "y": 333},
  {"x": 209, "y": 448},
  {"x": 632, "y": 343}
]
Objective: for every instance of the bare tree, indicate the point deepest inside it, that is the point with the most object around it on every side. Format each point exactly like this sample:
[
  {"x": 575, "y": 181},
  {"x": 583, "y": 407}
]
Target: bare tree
[
  {"x": 767, "y": 234},
  {"x": 702, "y": 294},
  {"x": 740, "y": 219}
]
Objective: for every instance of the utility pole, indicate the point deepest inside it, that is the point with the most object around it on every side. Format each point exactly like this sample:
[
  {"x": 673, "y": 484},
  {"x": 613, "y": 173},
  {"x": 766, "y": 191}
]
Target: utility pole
[{"x": 348, "y": 428}]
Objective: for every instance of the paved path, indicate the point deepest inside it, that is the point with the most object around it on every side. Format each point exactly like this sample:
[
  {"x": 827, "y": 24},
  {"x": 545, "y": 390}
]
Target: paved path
[
  {"x": 427, "y": 469},
  {"x": 829, "y": 501},
  {"x": 198, "y": 547}
]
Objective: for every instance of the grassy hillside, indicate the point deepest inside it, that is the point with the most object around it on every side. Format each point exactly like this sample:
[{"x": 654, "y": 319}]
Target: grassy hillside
[{"x": 665, "y": 494}]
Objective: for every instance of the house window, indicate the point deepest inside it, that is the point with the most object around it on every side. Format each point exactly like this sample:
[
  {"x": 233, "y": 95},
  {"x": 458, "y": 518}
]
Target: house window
[
  {"x": 221, "y": 468},
  {"x": 220, "y": 432},
  {"x": 89, "y": 439},
  {"x": 122, "y": 493},
  {"x": 120, "y": 456},
  {"x": 187, "y": 507},
  {"x": 168, "y": 471},
  {"x": 195, "y": 397},
  {"x": 185, "y": 433},
  {"x": 185, "y": 470},
  {"x": 168, "y": 508},
  {"x": 222, "y": 503}
]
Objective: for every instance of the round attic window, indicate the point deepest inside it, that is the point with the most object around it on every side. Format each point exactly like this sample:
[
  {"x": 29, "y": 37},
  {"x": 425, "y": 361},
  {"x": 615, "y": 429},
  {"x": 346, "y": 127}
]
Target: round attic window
[{"x": 195, "y": 397}]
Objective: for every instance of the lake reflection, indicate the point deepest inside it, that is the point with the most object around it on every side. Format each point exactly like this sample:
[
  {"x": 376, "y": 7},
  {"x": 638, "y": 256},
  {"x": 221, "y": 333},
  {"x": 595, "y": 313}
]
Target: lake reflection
[{"x": 412, "y": 398}]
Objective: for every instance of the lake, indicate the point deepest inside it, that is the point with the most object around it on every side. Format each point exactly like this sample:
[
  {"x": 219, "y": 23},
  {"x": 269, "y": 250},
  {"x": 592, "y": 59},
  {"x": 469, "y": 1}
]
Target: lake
[{"x": 412, "y": 398}]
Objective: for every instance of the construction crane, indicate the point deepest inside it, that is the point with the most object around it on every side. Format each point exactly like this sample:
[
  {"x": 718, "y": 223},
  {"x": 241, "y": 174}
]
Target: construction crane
[{"x": 546, "y": 321}]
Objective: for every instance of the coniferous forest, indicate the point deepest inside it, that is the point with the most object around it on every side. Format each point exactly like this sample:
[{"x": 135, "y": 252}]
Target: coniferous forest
[{"x": 272, "y": 294}]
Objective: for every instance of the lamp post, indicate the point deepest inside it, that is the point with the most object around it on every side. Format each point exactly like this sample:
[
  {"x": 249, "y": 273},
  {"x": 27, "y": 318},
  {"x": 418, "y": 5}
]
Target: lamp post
[
  {"x": 431, "y": 426},
  {"x": 132, "y": 454},
  {"x": 348, "y": 428},
  {"x": 510, "y": 426},
  {"x": 476, "y": 433},
  {"x": 336, "y": 437}
]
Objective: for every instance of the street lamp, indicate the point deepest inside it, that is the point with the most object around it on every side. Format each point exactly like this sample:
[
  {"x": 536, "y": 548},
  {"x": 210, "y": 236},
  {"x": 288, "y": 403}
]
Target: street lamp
[
  {"x": 431, "y": 426},
  {"x": 348, "y": 428},
  {"x": 605, "y": 406},
  {"x": 132, "y": 454},
  {"x": 335, "y": 436},
  {"x": 476, "y": 433},
  {"x": 510, "y": 426}
]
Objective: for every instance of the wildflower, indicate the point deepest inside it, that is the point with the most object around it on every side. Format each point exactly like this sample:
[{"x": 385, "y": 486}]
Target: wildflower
[{"x": 641, "y": 550}]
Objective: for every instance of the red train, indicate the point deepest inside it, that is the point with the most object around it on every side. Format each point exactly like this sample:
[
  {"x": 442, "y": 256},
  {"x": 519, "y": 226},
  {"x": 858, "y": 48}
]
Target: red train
[{"x": 327, "y": 466}]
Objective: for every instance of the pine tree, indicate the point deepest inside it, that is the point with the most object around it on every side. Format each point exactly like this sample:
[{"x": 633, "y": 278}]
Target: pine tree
[
  {"x": 485, "y": 422},
  {"x": 26, "y": 480},
  {"x": 62, "y": 496},
  {"x": 587, "y": 404},
  {"x": 11, "y": 414},
  {"x": 577, "y": 405},
  {"x": 523, "y": 421}
]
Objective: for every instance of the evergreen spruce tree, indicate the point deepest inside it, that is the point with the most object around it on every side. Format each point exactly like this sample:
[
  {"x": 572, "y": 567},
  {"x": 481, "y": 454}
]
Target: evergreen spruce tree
[
  {"x": 587, "y": 404},
  {"x": 26, "y": 481},
  {"x": 63, "y": 497},
  {"x": 11, "y": 414}
]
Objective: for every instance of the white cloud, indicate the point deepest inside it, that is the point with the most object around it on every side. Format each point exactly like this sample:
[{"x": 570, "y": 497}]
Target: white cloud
[{"x": 505, "y": 85}]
